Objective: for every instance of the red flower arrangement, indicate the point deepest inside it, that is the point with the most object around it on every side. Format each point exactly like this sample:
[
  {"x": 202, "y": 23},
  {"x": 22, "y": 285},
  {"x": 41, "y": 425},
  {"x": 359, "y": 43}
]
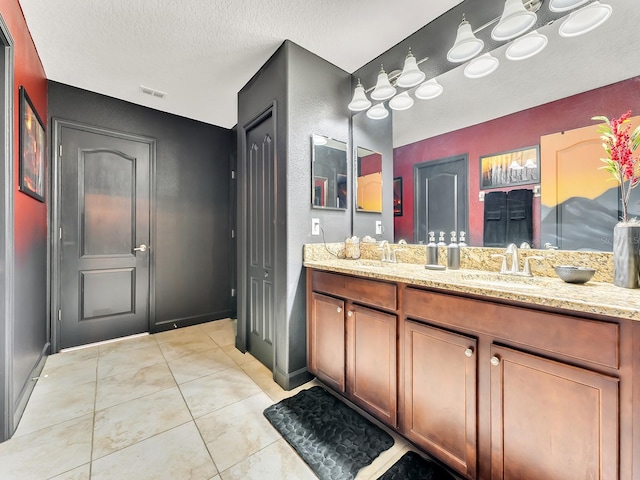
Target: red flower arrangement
[{"x": 621, "y": 162}]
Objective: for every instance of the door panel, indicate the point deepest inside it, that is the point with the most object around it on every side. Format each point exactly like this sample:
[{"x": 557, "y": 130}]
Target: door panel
[
  {"x": 104, "y": 215},
  {"x": 441, "y": 197},
  {"x": 260, "y": 156}
]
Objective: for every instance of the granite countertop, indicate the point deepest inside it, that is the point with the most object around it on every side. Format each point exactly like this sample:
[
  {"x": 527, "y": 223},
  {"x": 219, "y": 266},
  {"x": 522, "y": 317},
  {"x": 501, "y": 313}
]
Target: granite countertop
[{"x": 592, "y": 297}]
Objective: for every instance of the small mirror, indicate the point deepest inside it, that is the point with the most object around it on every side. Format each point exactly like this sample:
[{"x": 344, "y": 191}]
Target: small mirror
[
  {"x": 329, "y": 169},
  {"x": 368, "y": 180}
]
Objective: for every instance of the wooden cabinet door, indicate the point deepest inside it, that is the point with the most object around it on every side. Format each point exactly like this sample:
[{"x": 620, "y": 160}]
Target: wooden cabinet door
[
  {"x": 371, "y": 362},
  {"x": 551, "y": 420},
  {"x": 326, "y": 340},
  {"x": 440, "y": 394}
]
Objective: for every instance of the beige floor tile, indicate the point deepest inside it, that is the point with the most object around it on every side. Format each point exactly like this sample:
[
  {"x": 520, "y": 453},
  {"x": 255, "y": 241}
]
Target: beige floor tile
[
  {"x": 65, "y": 376},
  {"x": 126, "y": 343},
  {"x": 259, "y": 374},
  {"x": 277, "y": 393},
  {"x": 176, "y": 454},
  {"x": 200, "y": 365},
  {"x": 236, "y": 355},
  {"x": 122, "y": 359},
  {"x": 384, "y": 461},
  {"x": 222, "y": 324},
  {"x": 278, "y": 461},
  {"x": 81, "y": 473},
  {"x": 237, "y": 431},
  {"x": 187, "y": 345},
  {"x": 47, "y": 452},
  {"x": 134, "y": 384},
  {"x": 223, "y": 337},
  {"x": 123, "y": 425},
  {"x": 177, "y": 333},
  {"x": 57, "y": 407},
  {"x": 210, "y": 393},
  {"x": 74, "y": 356}
]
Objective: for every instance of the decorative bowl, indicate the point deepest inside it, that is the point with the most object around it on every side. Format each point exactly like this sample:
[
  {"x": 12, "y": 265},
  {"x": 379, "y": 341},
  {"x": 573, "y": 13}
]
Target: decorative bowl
[{"x": 574, "y": 274}]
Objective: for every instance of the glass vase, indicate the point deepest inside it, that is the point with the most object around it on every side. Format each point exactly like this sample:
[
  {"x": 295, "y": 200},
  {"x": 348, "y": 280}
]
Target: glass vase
[{"x": 626, "y": 255}]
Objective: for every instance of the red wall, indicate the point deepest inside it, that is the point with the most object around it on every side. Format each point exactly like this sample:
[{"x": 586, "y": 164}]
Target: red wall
[
  {"x": 515, "y": 131},
  {"x": 30, "y": 215}
]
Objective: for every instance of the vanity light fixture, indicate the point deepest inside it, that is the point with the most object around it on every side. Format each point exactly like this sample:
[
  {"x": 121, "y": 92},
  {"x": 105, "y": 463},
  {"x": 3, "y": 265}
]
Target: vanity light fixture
[
  {"x": 402, "y": 101},
  {"x": 530, "y": 163},
  {"x": 466, "y": 46},
  {"x": 377, "y": 112},
  {"x": 384, "y": 90},
  {"x": 481, "y": 66},
  {"x": 411, "y": 75},
  {"x": 559, "y": 6},
  {"x": 585, "y": 20},
  {"x": 428, "y": 90},
  {"x": 515, "y": 20},
  {"x": 527, "y": 46},
  {"x": 360, "y": 101}
]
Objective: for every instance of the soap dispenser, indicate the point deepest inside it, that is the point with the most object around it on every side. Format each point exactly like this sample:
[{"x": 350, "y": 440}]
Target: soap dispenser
[
  {"x": 462, "y": 242},
  {"x": 432, "y": 250},
  {"x": 453, "y": 253},
  {"x": 441, "y": 242}
]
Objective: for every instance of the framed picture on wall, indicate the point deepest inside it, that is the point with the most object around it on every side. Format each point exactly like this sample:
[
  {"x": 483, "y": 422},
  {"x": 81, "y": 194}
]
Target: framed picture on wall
[
  {"x": 516, "y": 167},
  {"x": 33, "y": 143},
  {"x": 397, "y": 197}
]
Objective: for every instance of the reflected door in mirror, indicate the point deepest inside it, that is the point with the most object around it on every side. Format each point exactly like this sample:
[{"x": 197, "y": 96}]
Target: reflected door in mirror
[{"x": 369, "y": 180}]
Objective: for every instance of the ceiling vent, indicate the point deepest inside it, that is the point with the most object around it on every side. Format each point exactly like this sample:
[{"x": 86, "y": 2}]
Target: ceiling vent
[{"x": 152, "y": 92}]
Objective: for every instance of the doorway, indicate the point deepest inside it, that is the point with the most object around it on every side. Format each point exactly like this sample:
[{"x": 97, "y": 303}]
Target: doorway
[
  {"x": 7, "y": 229},
  {"x": 102, "y": 223},
  {"x": 441, "y": 197},
  {"x": 260, "y": 287}
]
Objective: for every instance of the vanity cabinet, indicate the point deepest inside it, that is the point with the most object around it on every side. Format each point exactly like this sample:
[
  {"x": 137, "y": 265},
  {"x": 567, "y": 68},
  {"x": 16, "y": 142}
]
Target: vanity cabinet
[
  {"x": 551, "y": 420},
  {"x": 326, "y": 352},
  {"x": 495, "y": 390},
  {"x": 440, "y": 389},
  {"x": 352, "y": 340}
]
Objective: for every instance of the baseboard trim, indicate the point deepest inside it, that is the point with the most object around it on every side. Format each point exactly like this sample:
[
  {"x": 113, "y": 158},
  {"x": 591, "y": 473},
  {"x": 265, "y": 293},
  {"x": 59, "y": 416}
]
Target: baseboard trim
[
  {"x": 27, "y": 388},
  {"x": 289, "y": 381},
  {"x": 189, "y": 321}
]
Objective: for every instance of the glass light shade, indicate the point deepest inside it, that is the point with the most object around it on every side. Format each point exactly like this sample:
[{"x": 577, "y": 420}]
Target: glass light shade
[
  {"x": 530, "y": 164},
  {"x": 428, "y": 90},
  {"x": 586, "y": 19},
  {"x": 527, "y": 46},
  {"x": 565, "y": 5},
  {"x": 515, "y": 20},
  {"x": 515, "y": 166},
  {"x": 411, "y": 75},
  {"x": 384, "y": 89},
  {"x": 402, "y": 101},
  {"x": 481, "y": 66},
  {"x": 319, "y": 140},
  {"x": 360, "y": 101},
  {"x": 378, "y": 112},
  {"x": 466, "y": 45}
]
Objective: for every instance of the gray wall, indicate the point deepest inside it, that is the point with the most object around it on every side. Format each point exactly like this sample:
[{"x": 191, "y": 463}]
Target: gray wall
[
  {"x": 193, "y": 245},
  {"x": 311, "y": 96}
]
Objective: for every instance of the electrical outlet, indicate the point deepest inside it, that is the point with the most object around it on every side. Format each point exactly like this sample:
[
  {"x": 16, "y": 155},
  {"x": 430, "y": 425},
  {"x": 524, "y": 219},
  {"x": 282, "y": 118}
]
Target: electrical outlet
[
  {"x": 315, "y": 226},
  {"x": 378, "y": 227}
]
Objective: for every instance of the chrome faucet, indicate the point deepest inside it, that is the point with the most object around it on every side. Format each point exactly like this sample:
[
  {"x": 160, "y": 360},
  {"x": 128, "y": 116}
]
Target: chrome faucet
[
  {"x": 386, "y": 251},
  {"x": 512, "y": 249}
]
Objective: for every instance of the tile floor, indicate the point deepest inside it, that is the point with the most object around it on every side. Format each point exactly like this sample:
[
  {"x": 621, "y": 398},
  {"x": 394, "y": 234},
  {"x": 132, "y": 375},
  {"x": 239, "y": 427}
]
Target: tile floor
[{"x": 182, "y": 404}]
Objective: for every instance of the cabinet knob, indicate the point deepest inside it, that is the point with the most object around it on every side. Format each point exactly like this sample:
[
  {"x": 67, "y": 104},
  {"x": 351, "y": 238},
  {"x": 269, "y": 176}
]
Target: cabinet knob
[
  {"x": 350, "y": 313},
  {"x": 339, "y": 309},
  {"x": 495, "y": 361},
  {"x": 468, "y": 352}
]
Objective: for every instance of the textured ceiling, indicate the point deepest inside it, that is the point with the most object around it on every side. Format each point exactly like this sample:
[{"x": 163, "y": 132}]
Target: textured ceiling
[{"x": 201, "y": 53}]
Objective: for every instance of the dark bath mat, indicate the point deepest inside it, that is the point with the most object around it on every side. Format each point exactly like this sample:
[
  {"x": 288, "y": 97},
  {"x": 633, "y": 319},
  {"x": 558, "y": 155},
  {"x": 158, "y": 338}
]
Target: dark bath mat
[
  {"x": 333, "y": 439},
  {"x": 413, "y": 467}
]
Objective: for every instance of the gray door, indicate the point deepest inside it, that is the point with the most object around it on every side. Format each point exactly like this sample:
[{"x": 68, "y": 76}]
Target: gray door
[
  {"x": 260, "y": 156},
  {"x": 104, "y": 247},
  {"x": 440, "y": 197}
]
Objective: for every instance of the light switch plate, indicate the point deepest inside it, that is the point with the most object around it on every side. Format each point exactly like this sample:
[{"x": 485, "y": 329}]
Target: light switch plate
[
  {"x": 378, "y": 227},
  {"x": 315, "y": 226}
]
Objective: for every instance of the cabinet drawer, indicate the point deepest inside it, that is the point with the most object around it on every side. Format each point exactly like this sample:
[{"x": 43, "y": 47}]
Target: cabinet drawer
[
  {"x": 587, "y": 340},
  {"x": 370, "y": 292}
]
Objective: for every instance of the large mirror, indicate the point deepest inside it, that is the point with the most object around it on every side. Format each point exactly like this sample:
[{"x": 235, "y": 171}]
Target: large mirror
[
  {"x": 368, "y": 180},
  {"x": 329, "y": 187},
  {"x": 520, "y": 105}
]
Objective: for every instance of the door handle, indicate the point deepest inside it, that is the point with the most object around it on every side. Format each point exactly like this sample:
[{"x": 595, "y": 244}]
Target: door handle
[{"x": 141, "y": 248}]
